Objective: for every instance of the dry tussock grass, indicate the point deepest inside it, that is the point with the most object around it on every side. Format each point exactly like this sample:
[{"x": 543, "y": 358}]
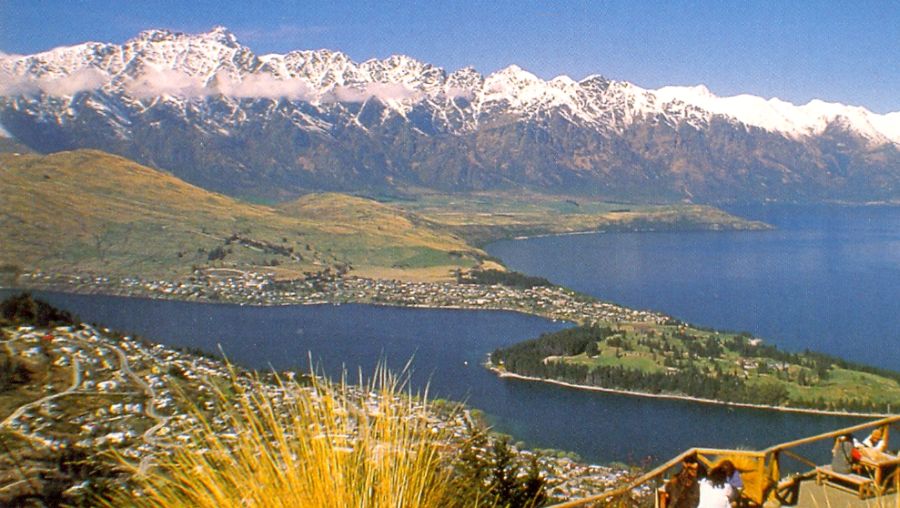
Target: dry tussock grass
[{"x": 322, "y": 446}]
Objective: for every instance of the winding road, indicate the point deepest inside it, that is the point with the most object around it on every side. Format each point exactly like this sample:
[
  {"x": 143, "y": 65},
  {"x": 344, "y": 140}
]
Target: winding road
[{"x": 76, "y": 380}]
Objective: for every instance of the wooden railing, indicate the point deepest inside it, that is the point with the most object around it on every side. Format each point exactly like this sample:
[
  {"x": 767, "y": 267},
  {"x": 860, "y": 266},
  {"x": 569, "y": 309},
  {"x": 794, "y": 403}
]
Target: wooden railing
[{"x": 760, "y": 470}]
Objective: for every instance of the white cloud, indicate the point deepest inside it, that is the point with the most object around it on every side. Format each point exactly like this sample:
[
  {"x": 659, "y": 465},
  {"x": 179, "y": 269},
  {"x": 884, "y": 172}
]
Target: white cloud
[
  {"x": 266, "y": 86},
  {"x": 453, "y": 92},
  {"x": 382, "y": 91},
  {"x": 81, "y": 80},
  {"x": 157, "y": 82},
  {"x": 153, "y": 83},
  {"x": 12, "y": 84}
]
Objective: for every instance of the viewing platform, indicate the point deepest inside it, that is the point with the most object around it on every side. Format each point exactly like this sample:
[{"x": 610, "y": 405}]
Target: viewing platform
[{"x": 780, "y": 475}]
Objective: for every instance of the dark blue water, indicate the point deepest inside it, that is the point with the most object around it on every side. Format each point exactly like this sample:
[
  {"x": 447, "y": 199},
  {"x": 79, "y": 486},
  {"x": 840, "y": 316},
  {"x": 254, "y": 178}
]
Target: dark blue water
[
  {"x": 828, "y": 278},
  {"x": 447, "y": 347}
]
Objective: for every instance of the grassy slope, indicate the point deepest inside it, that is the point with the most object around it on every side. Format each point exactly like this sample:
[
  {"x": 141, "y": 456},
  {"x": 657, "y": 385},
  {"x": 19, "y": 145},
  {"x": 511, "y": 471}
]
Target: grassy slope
[
  {"x": 483, "y": 217},
  {"x": 383, "y": 239},
  {"x": 90, "y": 211}
]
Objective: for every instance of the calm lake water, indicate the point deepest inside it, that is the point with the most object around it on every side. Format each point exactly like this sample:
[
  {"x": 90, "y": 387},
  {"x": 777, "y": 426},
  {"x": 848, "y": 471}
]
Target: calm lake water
[
  {"x": 447, "y": 347},
  {"x": 828, "y": 278}
]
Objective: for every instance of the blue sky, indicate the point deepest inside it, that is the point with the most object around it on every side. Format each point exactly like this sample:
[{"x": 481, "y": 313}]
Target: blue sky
[{"x": 796, "y": 50}]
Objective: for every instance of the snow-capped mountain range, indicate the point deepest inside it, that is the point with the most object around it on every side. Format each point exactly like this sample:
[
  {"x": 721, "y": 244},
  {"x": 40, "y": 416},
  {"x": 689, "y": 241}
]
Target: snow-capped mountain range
[{"x": 208, "y": 109}]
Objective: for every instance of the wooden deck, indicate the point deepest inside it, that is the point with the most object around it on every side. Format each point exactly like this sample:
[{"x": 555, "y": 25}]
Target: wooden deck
[
  {"x": 822, "y": 496},
  {"x": 764, "y": 483}
]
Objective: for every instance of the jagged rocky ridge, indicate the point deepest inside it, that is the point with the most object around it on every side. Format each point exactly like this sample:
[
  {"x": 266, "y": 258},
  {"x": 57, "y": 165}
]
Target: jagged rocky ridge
[{"x": 217, "y": 115}]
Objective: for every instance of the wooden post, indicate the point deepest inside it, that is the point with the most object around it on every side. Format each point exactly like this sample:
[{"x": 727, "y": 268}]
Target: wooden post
[
  {"x": 773, "y": 475},
  {"x": 897, "y": 486}
]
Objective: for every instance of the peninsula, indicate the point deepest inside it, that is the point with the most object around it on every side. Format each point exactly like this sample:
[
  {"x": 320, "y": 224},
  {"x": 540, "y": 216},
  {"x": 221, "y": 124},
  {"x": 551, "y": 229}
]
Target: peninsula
[
  {"x": 87, "y": 221},
  {"x": 674, "y": 360},
  {"x": 612, "y": 347}
]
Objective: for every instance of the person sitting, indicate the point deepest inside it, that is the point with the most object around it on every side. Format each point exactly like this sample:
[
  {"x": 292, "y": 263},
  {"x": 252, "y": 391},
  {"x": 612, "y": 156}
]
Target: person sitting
[
  {"x": 733, "y": 477},
  {"x": 844, "y": 456},
  {"x": 715, "y": 491},
  {"x": 682, "y": 489},
  {"x": 876, "y": 440}
]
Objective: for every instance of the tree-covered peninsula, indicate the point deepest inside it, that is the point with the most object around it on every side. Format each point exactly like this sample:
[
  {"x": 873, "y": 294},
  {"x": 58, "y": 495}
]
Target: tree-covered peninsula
[{"x": 678, "y": 360}]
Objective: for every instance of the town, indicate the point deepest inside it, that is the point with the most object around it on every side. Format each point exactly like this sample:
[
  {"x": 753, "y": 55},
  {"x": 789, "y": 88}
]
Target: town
[
  {"x": 227, "y": 285},
  {"x": 96, "y": 393}
]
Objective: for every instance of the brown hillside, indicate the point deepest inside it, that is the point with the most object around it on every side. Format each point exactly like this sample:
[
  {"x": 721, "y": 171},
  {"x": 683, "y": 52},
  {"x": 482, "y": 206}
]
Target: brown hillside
[{"x": 89, "y": 211}]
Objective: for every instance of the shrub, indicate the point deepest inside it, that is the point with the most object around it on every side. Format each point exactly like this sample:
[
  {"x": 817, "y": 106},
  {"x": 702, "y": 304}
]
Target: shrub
[
  {"x": 23, "y": 309},
  {"x": 324, "y": 445}
]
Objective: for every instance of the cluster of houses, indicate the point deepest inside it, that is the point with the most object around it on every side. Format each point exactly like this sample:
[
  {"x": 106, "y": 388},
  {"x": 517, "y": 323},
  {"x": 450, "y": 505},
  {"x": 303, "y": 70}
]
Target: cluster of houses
[
  {"x": 103, "y": 391},
  {"x": 259, "y": 288}
]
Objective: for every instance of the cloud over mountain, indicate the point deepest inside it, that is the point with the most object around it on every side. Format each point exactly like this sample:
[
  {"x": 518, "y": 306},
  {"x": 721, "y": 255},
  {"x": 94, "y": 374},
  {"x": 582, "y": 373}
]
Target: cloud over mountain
[
  {"x": 211, "y": 110},
  {"x": 80, "y": 80}
]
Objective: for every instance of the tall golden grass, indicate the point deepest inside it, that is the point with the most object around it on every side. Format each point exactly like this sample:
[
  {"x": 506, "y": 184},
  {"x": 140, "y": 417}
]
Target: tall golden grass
[{"x": 325, "y": 445}]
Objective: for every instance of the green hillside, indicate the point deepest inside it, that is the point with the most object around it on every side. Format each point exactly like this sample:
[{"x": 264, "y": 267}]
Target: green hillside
[
  {"x": 89, "y": 211},
  {"x": 677, "y": 359}
]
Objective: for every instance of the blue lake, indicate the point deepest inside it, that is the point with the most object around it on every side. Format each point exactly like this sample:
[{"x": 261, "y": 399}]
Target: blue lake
[
  {"x": 828, "y": 278},
  {"x": 447, "y": 347}
]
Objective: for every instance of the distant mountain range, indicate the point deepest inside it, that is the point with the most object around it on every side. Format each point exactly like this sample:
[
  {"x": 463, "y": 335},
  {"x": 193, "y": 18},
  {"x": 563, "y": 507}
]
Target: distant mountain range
[{"x": 215, "y": 114}]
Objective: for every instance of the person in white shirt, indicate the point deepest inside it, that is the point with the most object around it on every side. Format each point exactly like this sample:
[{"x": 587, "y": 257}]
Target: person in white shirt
[
  {"x": 715, "y": 491},
  {"x": 876, "y": 440}
]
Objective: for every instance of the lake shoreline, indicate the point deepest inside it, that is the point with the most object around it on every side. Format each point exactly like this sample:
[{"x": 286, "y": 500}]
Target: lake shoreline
[
  {"x": 471, "y": 305},
  {"x": 752, "y": 228},
  {"x": 567, "y": 305},
  {"x": 89, "y": 291},
  {"x": 686, "y": 398}
]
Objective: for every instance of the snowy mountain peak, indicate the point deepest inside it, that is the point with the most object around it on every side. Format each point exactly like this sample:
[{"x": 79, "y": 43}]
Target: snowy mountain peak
[
  {"x": 563, "y": 81},
  {"x": 154, "y": 35},
  {"x": 218, "y": 115},
  {"x": 467, "y": 78},
  {"x": 223, "y": 36},
  {"x": 218, "y": 34},
  {"x": 512, "y": 84},
  {"x": 516, "y": 74},
  {"x": 182, "y": 67},
  {"x": 776, "y": 115}
]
